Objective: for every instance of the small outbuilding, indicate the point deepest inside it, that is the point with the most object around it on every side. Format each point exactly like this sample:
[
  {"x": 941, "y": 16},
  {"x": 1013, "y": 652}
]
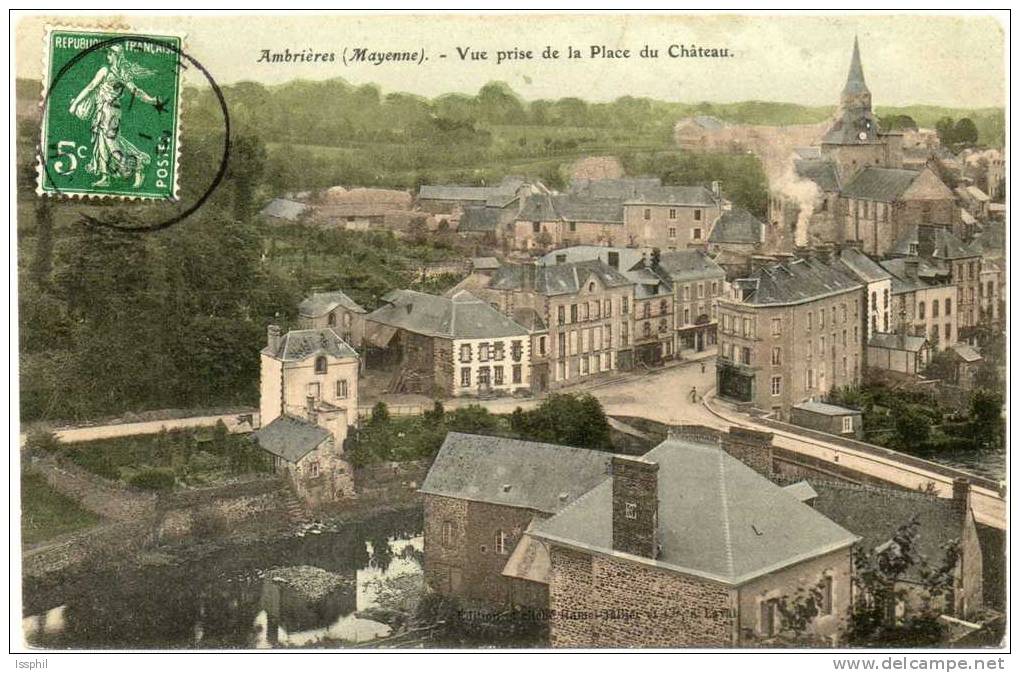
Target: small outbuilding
[{"x": 830, "y": 418}]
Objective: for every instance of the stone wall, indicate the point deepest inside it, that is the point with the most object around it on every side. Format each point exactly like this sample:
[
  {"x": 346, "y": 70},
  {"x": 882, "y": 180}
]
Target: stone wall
[
  {"x": 102, "y": 543},
  {"x": 221, "y": 509},
  {"x": 102, "y": 496},
  {"x": 597, "y": 601},
  {"x": 391, "y": 478}
]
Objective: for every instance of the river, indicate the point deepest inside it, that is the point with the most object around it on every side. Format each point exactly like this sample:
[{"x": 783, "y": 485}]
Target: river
[{"x": 234, "y": 597}]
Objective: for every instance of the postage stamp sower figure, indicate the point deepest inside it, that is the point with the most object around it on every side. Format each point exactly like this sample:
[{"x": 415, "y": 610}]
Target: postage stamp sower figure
[{"x": 111, "y": 114}]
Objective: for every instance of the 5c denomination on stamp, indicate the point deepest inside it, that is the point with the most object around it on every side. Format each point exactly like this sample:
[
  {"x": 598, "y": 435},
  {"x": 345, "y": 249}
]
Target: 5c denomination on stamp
[{"x": 111, "y": 114}]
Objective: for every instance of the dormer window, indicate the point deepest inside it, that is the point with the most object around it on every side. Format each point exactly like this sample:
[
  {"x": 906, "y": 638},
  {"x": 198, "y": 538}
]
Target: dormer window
[{"x": 320, "y": 365}]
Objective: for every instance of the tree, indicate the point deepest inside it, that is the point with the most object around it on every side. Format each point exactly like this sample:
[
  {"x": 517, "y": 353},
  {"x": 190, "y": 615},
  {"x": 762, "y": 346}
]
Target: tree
[
  {"x": 247, "y": 164},
  {"x": 942, "y": 366},
  {"x": 911, "y": 428},
  {"x": 570, "y": 419},
  {"x": 946, "y": 130},
  {"x": 987, "y": 427},
  {"x": 42, "y": 258},
  {"x": 380, "y": 414},
  {"x": 473, "y": 419},
  {"x": 965, "y": 132}
]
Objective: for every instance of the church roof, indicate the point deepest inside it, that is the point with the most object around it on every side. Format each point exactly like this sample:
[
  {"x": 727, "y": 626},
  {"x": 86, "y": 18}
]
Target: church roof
[
  {"x": 880, "y": 184},
  {"x": 855, "y": 78}
]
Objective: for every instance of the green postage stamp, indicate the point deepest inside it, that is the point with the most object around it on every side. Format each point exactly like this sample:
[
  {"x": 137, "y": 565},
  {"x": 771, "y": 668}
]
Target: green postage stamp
[{"x": 111, "y": 114}]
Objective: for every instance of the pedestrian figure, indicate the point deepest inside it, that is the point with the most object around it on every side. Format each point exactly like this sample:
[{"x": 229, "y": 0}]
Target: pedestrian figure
[
  {"x": 702, "y": 367},
  {"x": 694, "y": 393}
]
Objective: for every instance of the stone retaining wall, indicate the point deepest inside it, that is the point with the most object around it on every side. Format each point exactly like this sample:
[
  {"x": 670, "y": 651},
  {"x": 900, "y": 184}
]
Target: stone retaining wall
[{"x": 102, "y": 496}]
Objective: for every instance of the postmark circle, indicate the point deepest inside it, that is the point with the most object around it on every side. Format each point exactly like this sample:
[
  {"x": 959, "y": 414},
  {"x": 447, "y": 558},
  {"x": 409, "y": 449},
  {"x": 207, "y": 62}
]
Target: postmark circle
[{"x": 224, "y": 159}]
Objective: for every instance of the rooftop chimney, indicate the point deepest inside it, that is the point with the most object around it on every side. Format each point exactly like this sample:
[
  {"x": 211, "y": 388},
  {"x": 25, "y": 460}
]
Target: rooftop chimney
[
  {"x": 636, "y": 506},
  {"x": 310, "y": 410},
  {"x": 751, "y": 447},
  {"x": 910, "y": 265},
  {"x": 614, "y": 259},
  {"x": 716, "y": 189},
  {"x": 273, "y": 338}
]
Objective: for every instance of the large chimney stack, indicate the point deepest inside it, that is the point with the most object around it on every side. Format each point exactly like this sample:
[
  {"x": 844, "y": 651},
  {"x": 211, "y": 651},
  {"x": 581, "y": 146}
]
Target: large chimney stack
[
  {"x": 273, "y": 338},
  {"x": 636, "y": 506},
  {"x": 961, "y": 496}
]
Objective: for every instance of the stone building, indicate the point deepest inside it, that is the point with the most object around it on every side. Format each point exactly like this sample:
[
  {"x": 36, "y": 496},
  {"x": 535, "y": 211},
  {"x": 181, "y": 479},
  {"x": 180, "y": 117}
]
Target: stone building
[
  {"x": 877, "y": 288},
  {"x": 547, "y": 221},
  {"x": 924, "y": 302},
  {"x": 451, "y": 346},
  {"x": 586, "y": 308},
  {"x": 309, "y": 400},
  {"x": 830, "y": 418},
  {"x": 336, "y": 311},
  {"x": 480, "y": 496},
  {"x": 793, "y": 331},
  {"x": 898, "y": 353},
  {"x": 672, "y": 217},
  {"x": 688, "y": 546},
  {"x": 875, "y": 514},
  {"x": 736, "y": 231},
  {"x": 698, "y": 284}
]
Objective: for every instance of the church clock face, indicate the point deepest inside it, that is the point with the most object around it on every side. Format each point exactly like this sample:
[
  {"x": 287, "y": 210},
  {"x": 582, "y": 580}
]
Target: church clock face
[{"x": 863, "y": 135}]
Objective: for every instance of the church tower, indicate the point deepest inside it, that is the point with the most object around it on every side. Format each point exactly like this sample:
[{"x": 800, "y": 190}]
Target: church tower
[{"x": 855, "y": 141}]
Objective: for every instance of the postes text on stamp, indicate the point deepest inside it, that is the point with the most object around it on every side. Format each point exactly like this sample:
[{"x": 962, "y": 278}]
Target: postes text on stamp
[{"x": 111, "y": 114}]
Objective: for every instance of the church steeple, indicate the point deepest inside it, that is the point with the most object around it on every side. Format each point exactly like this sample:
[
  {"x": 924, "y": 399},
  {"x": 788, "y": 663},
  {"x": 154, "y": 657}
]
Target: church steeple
[{"x": 855, "y": 78}]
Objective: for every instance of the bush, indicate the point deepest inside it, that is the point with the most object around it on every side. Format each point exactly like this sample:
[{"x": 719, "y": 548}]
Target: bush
[
  {"x": 154, "y": 479},
  {"x": 40, "y": 440}
]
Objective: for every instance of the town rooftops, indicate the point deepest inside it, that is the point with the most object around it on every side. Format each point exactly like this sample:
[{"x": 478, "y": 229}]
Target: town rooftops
[
  {"x": 290, "y": 438},
  {"x": 633, "y": 263},
  {"x": 879, "y": 184},
  {"x": 863, "y": 266},
  {"x": 718, "y": 519},
  {"x": 462, "y": 316},
  {"x": 321, "y": 303},
  {"x": 705, "y": 122},
  {"x": 966, "y": 352},
  {"x": 682, "y": 265},
  {"x": 798, "y": 281},
  {"x": 513, "y": 472},
  {"x": 620, "y": 188},
  {"x": 876, "y": 514},
  {"x": 454, "y": 193},
  {"x": 819, "y": 171},
  {"x": 931, "y": 241},
  {"x": 571, "y": 208},
  {"x": 897, "y": 342},
  {"x": 825, "y": 409},
  {"x": 904, "y": 279},
  {"x": 300, "y": 344},
  {"x": 668, "y": 195},
  {"x": 557, "y": 279},
  {"x": 737, "y": 226},
  {"x": 284, "y": 209}
]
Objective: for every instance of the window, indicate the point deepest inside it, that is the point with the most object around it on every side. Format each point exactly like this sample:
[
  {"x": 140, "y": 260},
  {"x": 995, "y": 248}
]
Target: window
[
  {"x": 484, "y": 352},
  {"x": 331, "y": 320},
  {"x": 827, "y": 598},
  {"x": 821, "y": 319},
  {"x": 501, "y": 540},
  {"x": 465, "y": 377},
  {"x": 517, "y": 349},
  {"x": 842, "y": 310},
  {"x": 572, "y": 226},
  {"x": 516, "y": 373},
  {"x": 624, "y": 335},
  {"x": 447, "y": 533},
  {"x": 715, "y": 287},
  {"x": 777, "y": 356},
  {"x": 573, "y": 313},
  {"x": 934, "y": 309},
  {"x": 769, "y": 617},
  {"x": 663, "y": 325},
  {"x": 920, "y": 310},
  {"x": 313, "y": 468},
  {"x": 776, "y": 385},
  {"x": 648, "y": 213},
  {"x": 844, "y": 338},
  {"x": 584, "y": 366},
  {"x": 596, "y": 364},
  {"x": 672, "y": 214},
  {"x": 465, "y": 353},
  {"x": 970, "y": 270},
  {"x": 313, "y": 390},
  {"x": 498, "y": 350},
  {"x": 646, "y": 329},
  {"x": 646, "y": 310},
  {"x": 320, "y": 365},
  {"x": 560, "y": 315},
  {"x": 536, "y": 227},
  {"x": 949, "y": 331},
  {"x": 625, "y": 305},
  {"x": 341, "y": 389},
  {"x": 483, "y": 376},
  {"x": 663, "y": 307},
  {"x": 697, "y": 215},
  {"x": 584, "y": 311},
  {"x": 687, "y": 317},
  {"x": 701, "y": 290},
  {"x": 696, "y": 233},
  {"x": 745, "y": 356},
  {"x": 596, "y": 312},
  {"x": 844, "y": 366},
  {"x": 777, "y": 326},
  {"x": 608, "y": 308},
  {"x": 562, "y": 340},
  {"x": 810, "y": 379},
  {"x": 810, "y": 320},
  {"x": 497, "y": 375},
  {"x": 630, "y": 510},
  {"x": 672, "y": 232}
]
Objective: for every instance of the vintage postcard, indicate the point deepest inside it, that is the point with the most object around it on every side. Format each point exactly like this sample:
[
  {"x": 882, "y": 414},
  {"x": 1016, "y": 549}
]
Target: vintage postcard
[{"x": 529, "y": 331}]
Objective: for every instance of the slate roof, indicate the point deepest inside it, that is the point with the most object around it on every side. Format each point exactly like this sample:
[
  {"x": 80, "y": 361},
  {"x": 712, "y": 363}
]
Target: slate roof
[
  {"x": 801, "y": 490},
  {"x": 991, "y": 239},
  {"x": 479, "y": 218},
  {"x": 484, "y": 263},
  {"x": 454, "y": 193},
  {"x": 668, "y": 195},
  {"x": 902, "y": 281},
  {"x": 530, "y": 319},
  {"x": 819, "y": 171},
  {"x": 876, "y": 513},
  {"x": 889, "y": 341},
  {"x": 825, "y": 409},
  {"x": 462, "y": 316},
  {"x": 706, "y": 122},
  {"x": 556, "y": 279},
  {"x": 682, "y": 265},
  {"x": 966, "y": 352},
  {"x": 571, "y": 208},
  {"x": 863, "y": 266},
  {"x": 855, "y": 77},
  {"x": 798, "y": 281},
  {"x": 612, "y": 189},
  {"x": 718, "y": 518},
  {"x": 530, "y": 559},
  {"x": 284, "y": 209},
  {"x": 321, "y": 303},
  {"x": 628, "y": 257},
  {"x": 880, "y": 184},
  {"x": 932, "y": 241},
  {"x": 513, "y": 472},
  {"x": 812, "y": 152},
  {"x": 303, "y": 343},
  {"x": 290, "y": 438},
  {"x": 736, "y": 226}
]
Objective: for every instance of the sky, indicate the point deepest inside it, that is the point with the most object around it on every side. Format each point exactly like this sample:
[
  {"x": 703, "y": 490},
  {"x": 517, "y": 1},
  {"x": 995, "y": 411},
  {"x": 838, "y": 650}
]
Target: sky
[{"x": 954, "y": 61}]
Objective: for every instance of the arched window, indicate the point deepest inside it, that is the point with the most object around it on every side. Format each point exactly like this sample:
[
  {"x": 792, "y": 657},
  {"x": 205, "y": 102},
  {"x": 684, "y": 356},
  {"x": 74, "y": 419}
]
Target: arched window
[
  {"x": 663, "y": 307},
  {"x": 320, "y": 365},
  {"x": 646, "y": 328},
  {"x": 331, "y": 320}
]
